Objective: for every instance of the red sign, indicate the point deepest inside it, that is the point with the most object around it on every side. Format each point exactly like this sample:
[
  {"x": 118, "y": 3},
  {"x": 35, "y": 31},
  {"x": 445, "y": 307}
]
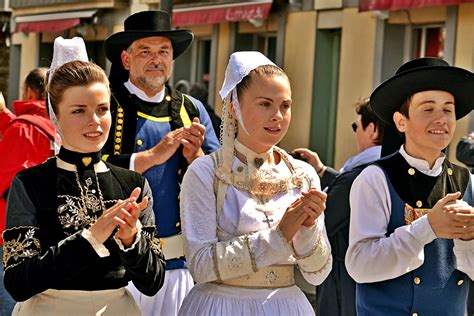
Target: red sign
[
  {"x": 47, "y": 26},
  {"x": 393, "y": 5},
  {"x": 215, "y": 14}
]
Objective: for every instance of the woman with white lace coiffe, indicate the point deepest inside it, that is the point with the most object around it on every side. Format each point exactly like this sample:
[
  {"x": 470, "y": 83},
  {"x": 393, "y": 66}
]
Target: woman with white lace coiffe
[{"x": 250, "y": 212}]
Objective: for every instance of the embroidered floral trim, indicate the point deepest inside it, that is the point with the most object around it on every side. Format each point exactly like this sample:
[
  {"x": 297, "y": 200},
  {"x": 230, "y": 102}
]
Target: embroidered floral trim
[
  {"x": 73, "y": 215},
  {"x": 289, "y": 245},
  {"x": 264, "y": 182},
  {"x": 248, "y": 242},
  {"x": 317, "y": 259},
  {"x": 318, "y": 270},
  {"x": 77, "y": 213},
  {"x": 412, "y": 214},
  {"x": 149, "y": 232},
  {"x": 19, "y": 244}
]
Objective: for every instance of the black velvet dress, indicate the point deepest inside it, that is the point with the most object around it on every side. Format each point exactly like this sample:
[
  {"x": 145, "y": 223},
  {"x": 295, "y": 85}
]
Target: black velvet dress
[{"x": 44, "y": 247}]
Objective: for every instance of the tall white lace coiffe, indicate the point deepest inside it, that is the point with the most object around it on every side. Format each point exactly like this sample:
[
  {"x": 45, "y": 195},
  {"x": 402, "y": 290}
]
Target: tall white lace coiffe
[{"x": 65, "y": 50}]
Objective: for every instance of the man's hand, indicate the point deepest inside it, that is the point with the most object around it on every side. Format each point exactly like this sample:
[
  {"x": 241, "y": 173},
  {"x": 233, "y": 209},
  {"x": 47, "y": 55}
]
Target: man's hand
[
  {"x": 310, "y": 157},
  {"x": 167, "y": 146},
  {"x": 192, "y": 139},
  {"x": 160, "y": 153}
]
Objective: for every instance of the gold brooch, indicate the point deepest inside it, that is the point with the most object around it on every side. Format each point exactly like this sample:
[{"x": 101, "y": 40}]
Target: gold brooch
[{"x": 86, "y": 161}]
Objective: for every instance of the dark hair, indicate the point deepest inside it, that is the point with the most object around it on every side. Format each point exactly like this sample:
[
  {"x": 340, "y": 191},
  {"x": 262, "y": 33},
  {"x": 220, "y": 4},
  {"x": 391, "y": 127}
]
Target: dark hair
[
  {"x": 36, "y": 80},
  {"x": 198, "y": 91},
  {"x": 368, "y": 116},
  {"x": 405, "y": 106},
  {"x": 265, "y": 70},
  {"x": 73, "y": 74}
]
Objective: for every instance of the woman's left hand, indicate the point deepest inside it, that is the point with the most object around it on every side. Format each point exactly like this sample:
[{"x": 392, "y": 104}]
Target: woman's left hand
[
  {"x": 314, "y": 203},
  {"x": 127, "y": 220}
]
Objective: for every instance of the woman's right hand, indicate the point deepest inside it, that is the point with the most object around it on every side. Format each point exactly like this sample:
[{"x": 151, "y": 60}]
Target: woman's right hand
[
  {"x": 114, "y": 216},
  {"x": 302, "y": 212},
  {"x": 293, "y": 219}
]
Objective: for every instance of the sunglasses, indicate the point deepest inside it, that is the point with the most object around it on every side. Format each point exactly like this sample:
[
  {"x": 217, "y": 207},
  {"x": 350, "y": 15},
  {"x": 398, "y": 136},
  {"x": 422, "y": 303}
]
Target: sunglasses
[{"x": 354, "y": 126}]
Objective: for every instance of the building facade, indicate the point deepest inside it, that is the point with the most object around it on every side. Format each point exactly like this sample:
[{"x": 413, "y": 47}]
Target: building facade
[{"x": 334, "y": 51}]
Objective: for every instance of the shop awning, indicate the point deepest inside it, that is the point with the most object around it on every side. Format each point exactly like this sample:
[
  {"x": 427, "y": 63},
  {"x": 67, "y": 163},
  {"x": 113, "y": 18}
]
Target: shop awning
[
  {"x": 229, "y": 12},
  {"x": 393, "y": 5},
  {"x": 54, "y": 22}
]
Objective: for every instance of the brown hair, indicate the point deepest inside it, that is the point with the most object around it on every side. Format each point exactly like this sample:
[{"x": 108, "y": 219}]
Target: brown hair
[
  {"x": 73, "y": 74},
  {"x": 265, "y": 70},
  {"x": 405, "y": 106},
  {"x": 35, "y": 80},
  {"x": 368, "y": 116}
]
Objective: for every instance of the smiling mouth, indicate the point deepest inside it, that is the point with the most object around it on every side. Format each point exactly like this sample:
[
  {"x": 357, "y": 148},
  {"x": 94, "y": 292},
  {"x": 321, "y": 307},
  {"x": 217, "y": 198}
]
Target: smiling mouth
[
  {"x": 93, "y": 135},
  {"x": 438, "y": 132}
]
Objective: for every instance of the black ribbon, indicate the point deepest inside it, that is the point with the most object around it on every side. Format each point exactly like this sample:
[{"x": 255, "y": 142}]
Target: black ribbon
[{"x": 82, "y": 161}]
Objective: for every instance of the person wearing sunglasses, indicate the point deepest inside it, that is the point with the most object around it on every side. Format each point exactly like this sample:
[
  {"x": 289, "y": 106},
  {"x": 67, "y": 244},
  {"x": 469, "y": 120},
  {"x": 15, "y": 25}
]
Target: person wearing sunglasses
[{"x": 336, "y": 295}]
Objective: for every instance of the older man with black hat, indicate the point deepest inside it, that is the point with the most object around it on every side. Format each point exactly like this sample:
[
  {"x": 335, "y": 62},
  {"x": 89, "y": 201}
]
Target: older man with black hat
[
  {"x": 411, "y": 237},
  {"x": 157, "y": 131}
]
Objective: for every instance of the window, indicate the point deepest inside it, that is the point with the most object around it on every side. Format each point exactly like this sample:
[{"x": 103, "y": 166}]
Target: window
[
  {"x": 428, "y": 41},
  {"x": 262, "y": 42}
]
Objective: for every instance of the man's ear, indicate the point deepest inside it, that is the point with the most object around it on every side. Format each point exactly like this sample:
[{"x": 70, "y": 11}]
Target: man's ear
[
  {"x": 373, "y": 132},
  {"x": 31, "y": 94},
  {"x": 400, "y": 121},
  {"x": 125, "y": 60}
]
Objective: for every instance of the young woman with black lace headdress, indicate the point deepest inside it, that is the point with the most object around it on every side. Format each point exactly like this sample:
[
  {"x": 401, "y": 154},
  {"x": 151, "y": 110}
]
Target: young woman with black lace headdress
[
  {"x": 78, "y": 229},
  {"x": 250, "y": 212}
]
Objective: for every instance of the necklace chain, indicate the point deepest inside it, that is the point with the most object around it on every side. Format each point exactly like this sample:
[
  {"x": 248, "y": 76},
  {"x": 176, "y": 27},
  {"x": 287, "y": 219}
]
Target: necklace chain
[{"x": 83, "y": 195}]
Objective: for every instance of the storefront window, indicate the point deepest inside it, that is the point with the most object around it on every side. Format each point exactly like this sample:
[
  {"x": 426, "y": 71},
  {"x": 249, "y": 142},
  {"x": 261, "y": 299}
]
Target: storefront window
[
  {"x": 262, "y": 42},
  {"x": 428, "y": 41}
]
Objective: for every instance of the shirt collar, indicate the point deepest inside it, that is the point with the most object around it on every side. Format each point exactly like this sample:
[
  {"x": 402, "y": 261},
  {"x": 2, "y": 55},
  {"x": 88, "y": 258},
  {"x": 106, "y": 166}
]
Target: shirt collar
[
  {"x": 133, "y": 89},
  {"x": 368, "y": 155},
  {"x": 422, "y": 165}
]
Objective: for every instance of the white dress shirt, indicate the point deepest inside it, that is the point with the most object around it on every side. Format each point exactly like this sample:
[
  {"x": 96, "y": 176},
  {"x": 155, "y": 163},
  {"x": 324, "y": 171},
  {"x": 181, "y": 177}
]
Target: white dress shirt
[{"x": 402, "y": 251}]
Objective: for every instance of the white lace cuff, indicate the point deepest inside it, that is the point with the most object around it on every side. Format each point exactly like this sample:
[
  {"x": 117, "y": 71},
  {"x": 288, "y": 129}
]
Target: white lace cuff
[
  {"x": 99, "y": 248},
  {"x": 317, "y": 259},
  {"x": 137, "y": 238},
  {"x": 233, "y": 258}
]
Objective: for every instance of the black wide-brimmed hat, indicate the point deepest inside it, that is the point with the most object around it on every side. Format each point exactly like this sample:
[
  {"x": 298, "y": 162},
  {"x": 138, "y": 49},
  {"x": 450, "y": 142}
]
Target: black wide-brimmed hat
[
  {"x": 147, "y": 24},
  {"x": 419, "y": 75}
]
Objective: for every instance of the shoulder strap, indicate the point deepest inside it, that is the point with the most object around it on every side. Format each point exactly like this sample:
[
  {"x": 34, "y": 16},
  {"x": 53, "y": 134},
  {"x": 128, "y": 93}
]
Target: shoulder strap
[
  {"x": 39, "y": 122},
  {"x": 220, "y": 187},
  {"x": 182, "y": 109},
  {"x": 190, "y": 107}
]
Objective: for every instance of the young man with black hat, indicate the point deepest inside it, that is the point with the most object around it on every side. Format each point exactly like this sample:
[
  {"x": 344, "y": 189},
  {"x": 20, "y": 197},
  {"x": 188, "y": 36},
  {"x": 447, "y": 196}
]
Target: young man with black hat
[
  {"x": 411, "y": 246},
  {"x": 157, "y": 131}
]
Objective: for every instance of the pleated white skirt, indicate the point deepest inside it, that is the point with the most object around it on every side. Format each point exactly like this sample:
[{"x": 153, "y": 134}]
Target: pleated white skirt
[
  {"x": 168, "y": 300},
  {"x": 214, "y": 299}
]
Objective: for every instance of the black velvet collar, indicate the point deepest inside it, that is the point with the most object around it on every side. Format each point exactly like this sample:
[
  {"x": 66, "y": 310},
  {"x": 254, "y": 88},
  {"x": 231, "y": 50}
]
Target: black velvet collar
[{"x": 82, "y": 161}]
